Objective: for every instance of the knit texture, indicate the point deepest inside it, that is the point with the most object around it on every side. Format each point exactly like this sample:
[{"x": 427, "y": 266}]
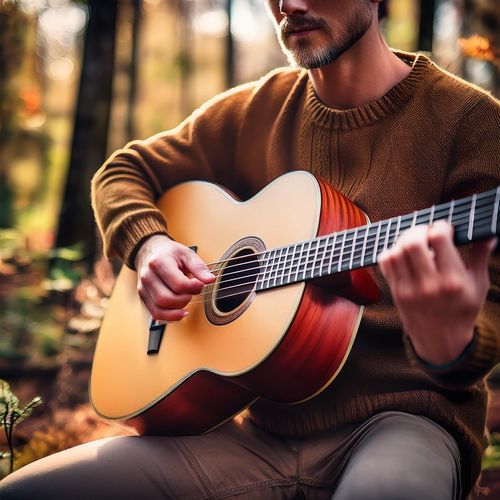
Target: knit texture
[{"x": 431, "y": 138}]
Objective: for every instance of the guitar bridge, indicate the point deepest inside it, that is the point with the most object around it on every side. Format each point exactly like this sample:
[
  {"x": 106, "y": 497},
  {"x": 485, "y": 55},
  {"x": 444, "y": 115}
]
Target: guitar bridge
[{"x": 156, "y": 330}]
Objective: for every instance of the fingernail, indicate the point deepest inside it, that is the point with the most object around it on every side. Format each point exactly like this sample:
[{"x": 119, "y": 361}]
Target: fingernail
[
  {"x": 185, "y": 313},
  {"x": 208, "y": 275}
]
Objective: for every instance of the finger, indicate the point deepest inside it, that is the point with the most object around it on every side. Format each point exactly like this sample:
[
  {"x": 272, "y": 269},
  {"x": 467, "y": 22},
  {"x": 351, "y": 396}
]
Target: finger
[
  {"x": 386, "y": 261},
  {"x": 417, "y": 258},
  {"x": 161, "y": 295},
  {"x": 194, "y": 265},
  {"x": 446, "y": 254},
  {"x": 480, "y": 254},
  {"x": 168, "y": 271},
  {"x": 157, "y": 313},
  {"x": 396, "y": 261}
]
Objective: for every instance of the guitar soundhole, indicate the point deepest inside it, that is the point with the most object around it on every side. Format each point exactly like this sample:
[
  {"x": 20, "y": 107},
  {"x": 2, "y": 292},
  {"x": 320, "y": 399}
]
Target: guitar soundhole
[
  {"x": 234, "y": 289},
  {"x": 237, "y": 281}
]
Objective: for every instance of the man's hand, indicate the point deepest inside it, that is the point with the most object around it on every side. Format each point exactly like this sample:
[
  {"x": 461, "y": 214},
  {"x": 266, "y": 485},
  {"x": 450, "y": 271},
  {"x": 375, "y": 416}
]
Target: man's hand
[
  {"x": 437, "y": 295},
  {"x": 168, "y": 275}
]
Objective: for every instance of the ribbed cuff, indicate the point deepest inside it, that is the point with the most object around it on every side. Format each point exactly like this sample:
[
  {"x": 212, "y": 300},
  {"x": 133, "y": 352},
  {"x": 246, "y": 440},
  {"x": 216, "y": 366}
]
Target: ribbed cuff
[
  {"x": 472, "y": 365},
  {"x": 133, "y": 231}
]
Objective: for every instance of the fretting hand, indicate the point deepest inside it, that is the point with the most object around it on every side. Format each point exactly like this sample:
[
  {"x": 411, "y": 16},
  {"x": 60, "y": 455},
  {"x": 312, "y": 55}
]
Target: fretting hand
[
  {"x": 437, "y": 295},
  {"x": 168, "y": 275}
]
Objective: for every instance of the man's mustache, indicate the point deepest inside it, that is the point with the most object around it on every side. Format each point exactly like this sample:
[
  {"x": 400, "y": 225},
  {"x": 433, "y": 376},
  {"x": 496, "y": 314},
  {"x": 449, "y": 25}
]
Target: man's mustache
[{"x": 293, "y": 24}]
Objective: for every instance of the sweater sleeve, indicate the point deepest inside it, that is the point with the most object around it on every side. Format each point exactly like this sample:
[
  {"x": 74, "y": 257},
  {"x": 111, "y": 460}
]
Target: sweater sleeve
[
  {"x": 125, "y": 188},
  {"x": 474, "y": 167}
]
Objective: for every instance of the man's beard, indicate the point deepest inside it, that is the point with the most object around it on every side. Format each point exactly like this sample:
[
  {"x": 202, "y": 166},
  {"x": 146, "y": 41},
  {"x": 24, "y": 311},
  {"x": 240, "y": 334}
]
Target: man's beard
[{"x": 304, "y": 55}]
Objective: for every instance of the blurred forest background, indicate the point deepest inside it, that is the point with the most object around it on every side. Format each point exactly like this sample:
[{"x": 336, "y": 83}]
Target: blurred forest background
[{"x": 78, "y": 79}]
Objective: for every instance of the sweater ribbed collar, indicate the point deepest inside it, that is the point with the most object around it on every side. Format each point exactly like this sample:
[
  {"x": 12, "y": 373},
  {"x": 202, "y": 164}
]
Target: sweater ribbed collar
[{"x": 389, "y": 103}]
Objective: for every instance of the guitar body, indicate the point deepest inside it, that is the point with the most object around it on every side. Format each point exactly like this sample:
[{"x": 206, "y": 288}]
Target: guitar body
[{"x": 285, "y": 343}]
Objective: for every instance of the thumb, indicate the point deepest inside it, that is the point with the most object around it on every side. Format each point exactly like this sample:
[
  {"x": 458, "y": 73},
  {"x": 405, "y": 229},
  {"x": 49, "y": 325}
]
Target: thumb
[
  {"x": 194, "y": 265},
  {"x": 481, "y": 252}
]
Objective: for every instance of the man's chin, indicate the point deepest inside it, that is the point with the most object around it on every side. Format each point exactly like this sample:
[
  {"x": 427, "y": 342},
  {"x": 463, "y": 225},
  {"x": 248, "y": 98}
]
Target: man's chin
[{"x": 309, "y": 59}]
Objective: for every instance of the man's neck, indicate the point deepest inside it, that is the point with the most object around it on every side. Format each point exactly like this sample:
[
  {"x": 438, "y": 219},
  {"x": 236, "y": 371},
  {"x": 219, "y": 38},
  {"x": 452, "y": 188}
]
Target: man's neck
[{"x": 363, "y": 74}]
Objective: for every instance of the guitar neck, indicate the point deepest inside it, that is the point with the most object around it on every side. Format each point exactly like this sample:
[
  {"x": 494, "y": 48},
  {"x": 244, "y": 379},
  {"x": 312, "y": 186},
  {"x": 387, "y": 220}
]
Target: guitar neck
[{"x": 473, "y": 218}]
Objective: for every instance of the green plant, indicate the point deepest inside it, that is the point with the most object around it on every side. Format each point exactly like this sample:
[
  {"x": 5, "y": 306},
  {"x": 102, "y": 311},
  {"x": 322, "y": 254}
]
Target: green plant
[
  {"x": 491, "y": 458},
  {"x": 11, "y": 414}
]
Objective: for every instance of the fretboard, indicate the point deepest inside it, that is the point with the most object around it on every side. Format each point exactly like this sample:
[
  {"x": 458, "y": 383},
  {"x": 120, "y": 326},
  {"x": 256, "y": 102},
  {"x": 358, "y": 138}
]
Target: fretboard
[{"x": 473, "y": 218}]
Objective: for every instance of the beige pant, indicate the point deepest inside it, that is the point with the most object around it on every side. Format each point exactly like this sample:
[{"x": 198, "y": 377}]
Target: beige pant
[{"x": 391, "y": 456}]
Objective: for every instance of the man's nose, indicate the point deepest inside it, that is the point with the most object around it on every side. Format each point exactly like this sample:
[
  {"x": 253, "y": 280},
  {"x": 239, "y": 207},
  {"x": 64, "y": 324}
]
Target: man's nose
[{"x": 289, "y": 7}]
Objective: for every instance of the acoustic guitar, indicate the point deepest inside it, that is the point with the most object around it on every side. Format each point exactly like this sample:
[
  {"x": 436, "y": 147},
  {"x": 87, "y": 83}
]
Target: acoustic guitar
[{"x": 292, "y": 267}]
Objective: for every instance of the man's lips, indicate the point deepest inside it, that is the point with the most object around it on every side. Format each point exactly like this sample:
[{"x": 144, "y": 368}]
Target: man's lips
[
  {"x": 292, "y": 27},
  {"x": 299, "y": 31}
]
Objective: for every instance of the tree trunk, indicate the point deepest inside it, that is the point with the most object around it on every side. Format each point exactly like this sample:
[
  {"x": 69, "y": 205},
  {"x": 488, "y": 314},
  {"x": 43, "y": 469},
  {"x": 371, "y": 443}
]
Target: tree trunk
[
  {"x": 88, "y": 148},
  {"x": 426, "y": 26},
  {"x": 229, "y": 66},
  {"x": 132, "y": 90},
  {"x": 185, "y": 59}
]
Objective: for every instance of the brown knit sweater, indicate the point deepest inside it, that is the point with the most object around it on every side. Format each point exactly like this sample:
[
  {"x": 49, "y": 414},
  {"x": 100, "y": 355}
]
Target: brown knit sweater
[{"x": 431, "y": 138}]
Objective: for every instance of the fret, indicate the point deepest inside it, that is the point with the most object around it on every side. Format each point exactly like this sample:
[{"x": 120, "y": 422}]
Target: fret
[
  {"x": 471, "y": 218},
  {"x": 292, "y": 263},
  {"x": 272, "y": 256},
  {"x": 330, "y": 264},
  {"x": 307, "y": 259},
  {"x": 314, "y": 258},
  {"x": 263, "y": 270},
  {"x": 422, "y": 217},
  {"x": 299, "y": 261},
  {"x": 386, "y": 241},
  {"x": 353, "y": 248},
  {"x": 272, "y": 267},
  {"x": 276, "y": 264},
  {"x": 414, "y": 220},
  {"x": 431, "y": 217},
  {"x": 398, "y": 228},
  {"x": 374, "y": 256},
  {"x": 277, "y": 268},
  {"x": 323, "y": 256},
  {"x": 285, "y": 266},
  {"x": 363, "y": 250},
  {"x": 341, "y": 256},
  {"x": 358, "y": 241},
  {"x": 495, "y": 212},
  {"x": 450, "y": 212}
]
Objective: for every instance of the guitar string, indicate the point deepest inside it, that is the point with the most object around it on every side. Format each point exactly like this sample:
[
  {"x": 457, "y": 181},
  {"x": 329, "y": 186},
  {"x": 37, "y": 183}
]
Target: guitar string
[
  {"x": 353, "y": 242},
  {"x": 440, "y": 214},
  {"x": 205, "y": 296},
  {"x": 443, "y": 214},
  {"x": 349, "y": 245},
  {"x": 484, "y": 223},
  {"x": 295, "y": 266},
  {"x": 464, "y": 204}
]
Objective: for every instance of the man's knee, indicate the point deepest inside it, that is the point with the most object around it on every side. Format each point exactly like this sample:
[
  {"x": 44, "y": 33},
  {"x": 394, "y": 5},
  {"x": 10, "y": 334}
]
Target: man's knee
[
  {"x": 400, "y": 456},
  {"x": 372, "y": 485}
]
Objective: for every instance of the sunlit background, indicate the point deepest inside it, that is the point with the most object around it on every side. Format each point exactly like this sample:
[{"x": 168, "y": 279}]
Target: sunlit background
[
  {"x": 78, "y": 79},
  {"x": 181, "y": 52}
]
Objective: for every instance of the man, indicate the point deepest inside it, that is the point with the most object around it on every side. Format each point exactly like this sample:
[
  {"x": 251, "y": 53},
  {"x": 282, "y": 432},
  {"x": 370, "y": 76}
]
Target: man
[{"x": 405, "y": 417}]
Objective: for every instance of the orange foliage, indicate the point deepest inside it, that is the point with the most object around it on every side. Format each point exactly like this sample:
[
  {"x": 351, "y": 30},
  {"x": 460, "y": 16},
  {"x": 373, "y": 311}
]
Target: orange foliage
[
  {"x": 479, "y": 47},
  {"x": 32, "y": 99}
]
